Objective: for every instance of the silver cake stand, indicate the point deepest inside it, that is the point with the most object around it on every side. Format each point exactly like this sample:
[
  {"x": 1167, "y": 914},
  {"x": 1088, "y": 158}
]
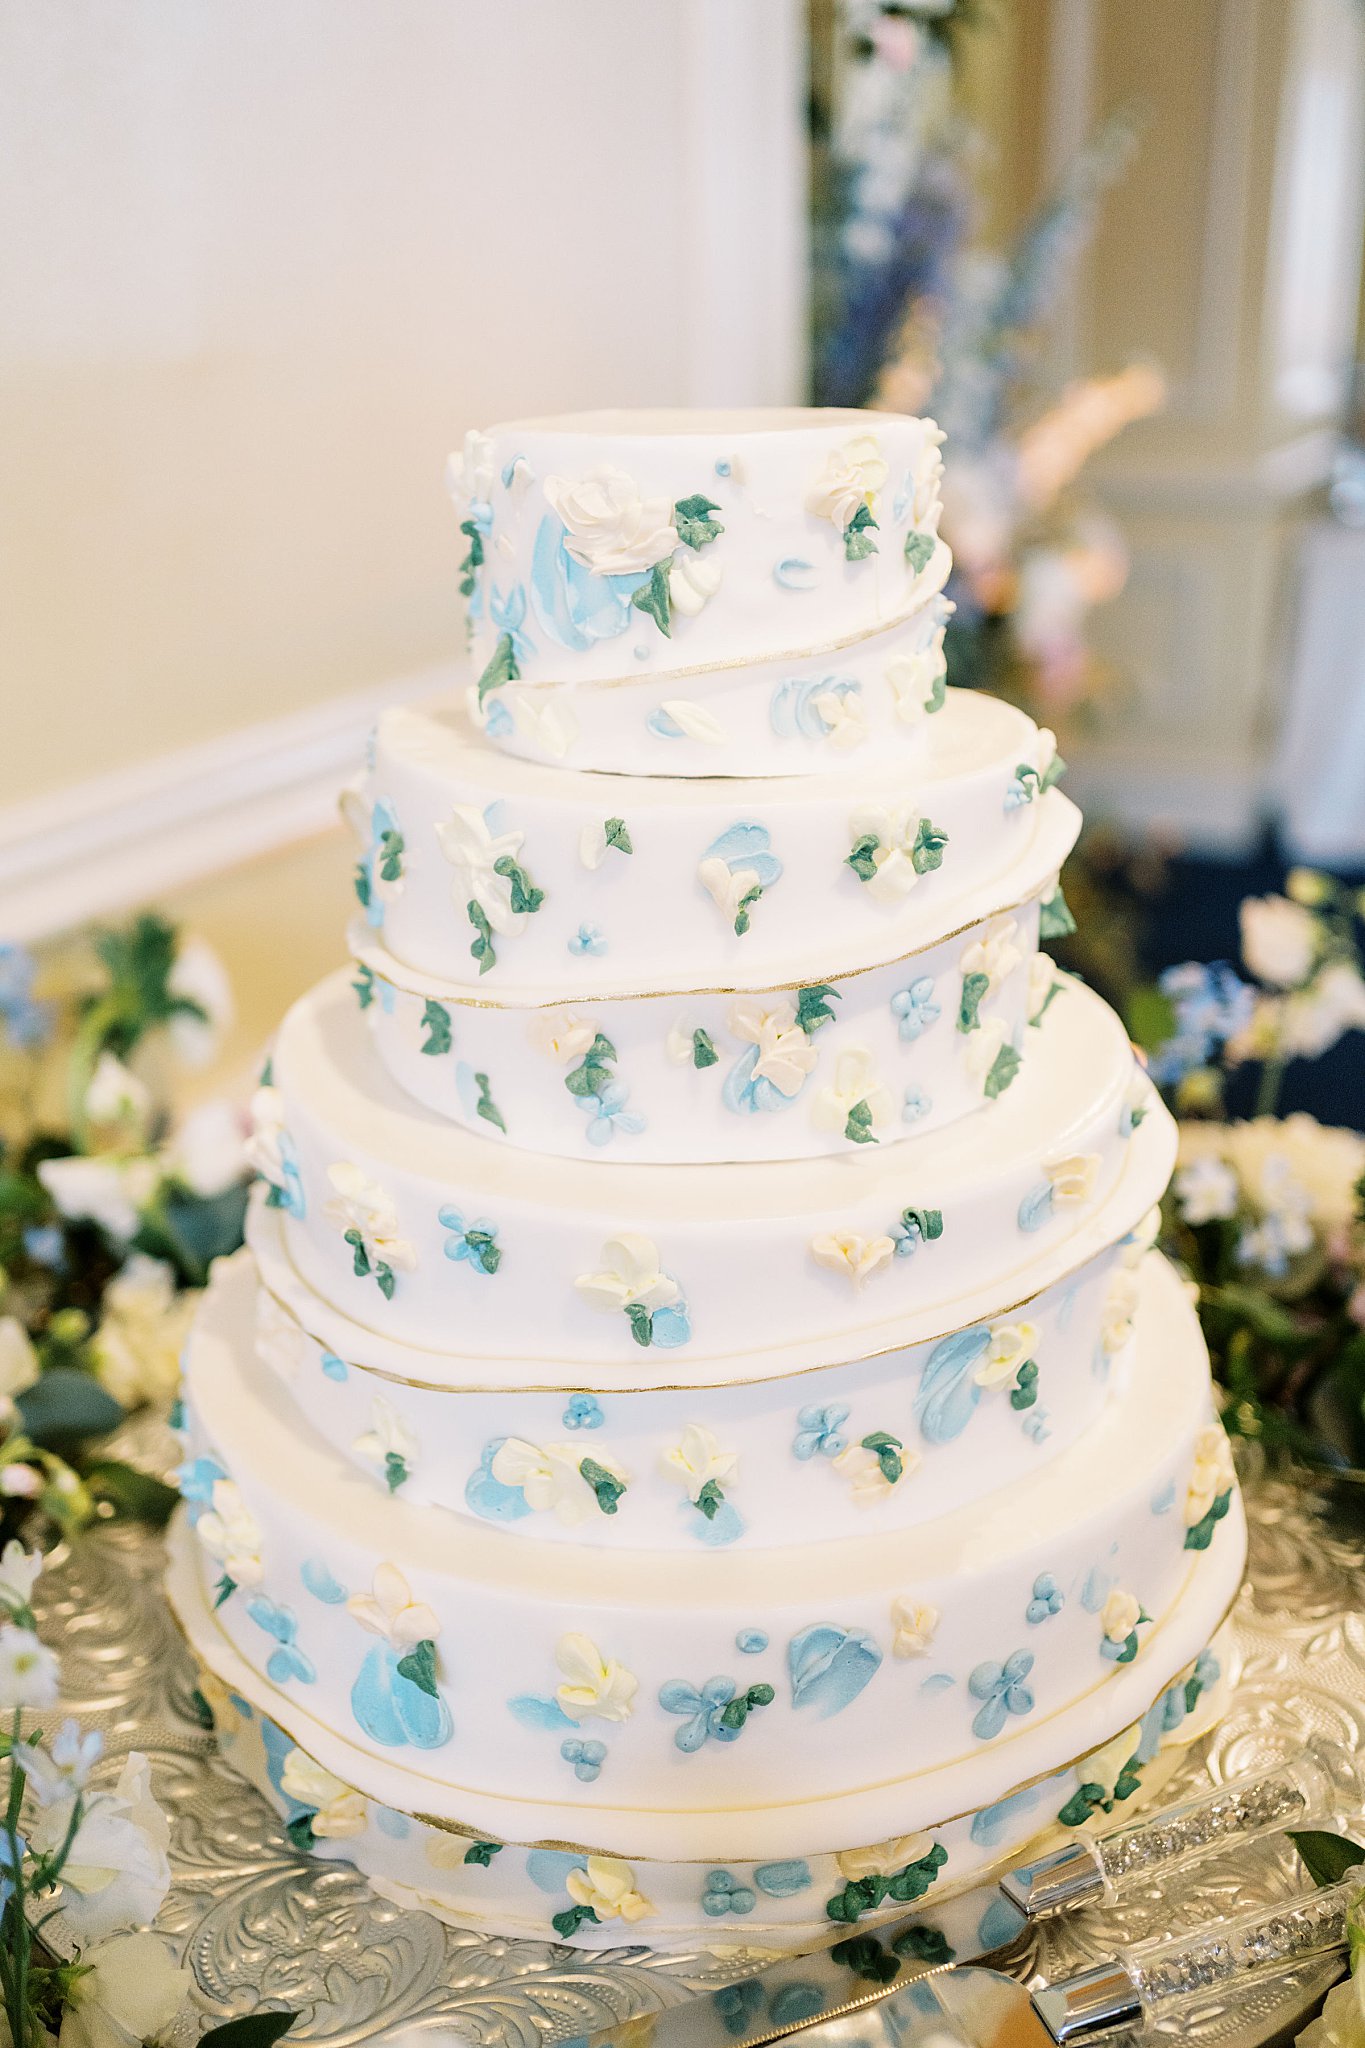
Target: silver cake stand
[{"x": 258, "y": 1923}]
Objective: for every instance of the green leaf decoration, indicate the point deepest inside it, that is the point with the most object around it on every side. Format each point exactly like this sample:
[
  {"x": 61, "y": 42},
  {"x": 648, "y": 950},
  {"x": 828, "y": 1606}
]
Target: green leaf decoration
[
  {"x": 486, "y": 1249},
  {"x": 482, "y": 948},
  {"x": 746, "y": 904},
  {"x": 1128, "y": 1780},
  {"x": 858, "y": 541},
  {"x": 361, "y": 1265},
  {"x": 692, "y": 518},
  {"x": 975, "y": 988},
  {"x": 1004, "y": 1067},
  {"x": 710, "y": 1500},
  {"x": 652, "y": 597},
  {"x": 858, "y": 1128},
  {"x": 1052, "y": 774},
  {"x": 1201, "y": 1535},
  {"x": 200, "y": 1708},
  {"x": 888, "y": 1450},
  {"x": 938, "y": 693},
  {"x": 526, "y": 897},
  {"x": 924, "y": 1945},
  {"x": 604, "y": 1484},
  {"x": 65, "y": 1404},
  {"x": 864, "y": 1894},
  {"x": 929, "y": 1222},
  {"x": 860, "y": 859},
  {"x": 1054, "y": 991},
  {"x": 360, "y": 882},
  {"x": 384, "y": 1275},
  {"x": 865, "y": 1956},
  {"x": 436, "y": 1024},
  {"x": 419, "y": 1665},
  {"x": 482, "y": 1852},
  {"x": 364, "y": 992},
  {"x": 919, "y": 549},
  {"x": 641, "y": 1323},
  {"x": 224, "y": 1590},
  {"x": 1054, "y": 919},
  {"x": 254, "y": 2030},
  {"x": 501, "y": 668},
  {"x": 300, "y": 1830},
  {"x": 473, "y": 558},
  {"x": 1024, "y": 1392},
  {"x": 615, "y": 833},
  {"x": 704, "y": 1052},
  {"x": 132, "y": 1495},
  {"x": 395, "y": 1469},
  {"x": 813, "y": 1005},
  {"x": 1327, "y": 1858},
  {"x": 927, "y": 851},
  {"x": 737, "y": 1711},
  {"x": 485, "y": 1106},
  {"x": 390, "y": 856},
  {"x": 1084, "y": 1801},
  {"x": 593, "y": 1071},
  {"x": 570, "y": 1920}
]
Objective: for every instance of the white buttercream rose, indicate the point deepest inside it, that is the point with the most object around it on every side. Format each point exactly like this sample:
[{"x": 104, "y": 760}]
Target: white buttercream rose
[{"x": 609, "y": 527}]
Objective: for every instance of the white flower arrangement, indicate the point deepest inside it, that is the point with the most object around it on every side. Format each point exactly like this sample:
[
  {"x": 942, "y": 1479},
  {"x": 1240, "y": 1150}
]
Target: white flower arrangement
[
  {"x": 609, "y": 527},
  {"x": 389, "y": 1610},
  {"x": 630, "y": 1276},
  {"x": 785, "y": 1054},
  {"x": 697, "y": 1461}
]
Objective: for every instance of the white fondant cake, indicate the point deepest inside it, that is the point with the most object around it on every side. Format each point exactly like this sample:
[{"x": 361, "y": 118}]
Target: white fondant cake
[{"x": 699, "y": 1399}]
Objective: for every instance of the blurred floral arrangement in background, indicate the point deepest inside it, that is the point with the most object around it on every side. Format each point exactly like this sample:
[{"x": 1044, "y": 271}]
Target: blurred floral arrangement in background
[
  {"x": 111, "y": 1210},
  {"x": 1267, "y": 1215},
  {"x": 912, "y": 315}
]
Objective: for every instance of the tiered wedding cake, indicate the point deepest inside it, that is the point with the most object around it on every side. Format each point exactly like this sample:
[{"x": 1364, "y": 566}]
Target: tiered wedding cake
[{"x": 700, "y": 1444}]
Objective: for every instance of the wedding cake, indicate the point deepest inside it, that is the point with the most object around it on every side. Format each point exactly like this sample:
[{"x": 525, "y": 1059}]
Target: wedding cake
[{"x": 700, "y": 1445}]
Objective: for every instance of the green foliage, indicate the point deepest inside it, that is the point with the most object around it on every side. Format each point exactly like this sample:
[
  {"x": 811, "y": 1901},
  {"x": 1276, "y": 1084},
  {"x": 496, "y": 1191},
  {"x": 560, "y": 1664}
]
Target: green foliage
[
  {"x": 919, "y": 548},
  {"x": 704, "y": 1052},
  {"x": 604, "y": 1484},
  {"x": 255, "y": 2030},
  {"x": 482, "y": 948},
  {"x": 616, "y": 834},
  {"x": 693, "y": 521},
  {"x": 486, "y": 1107},
  {"x": 858, "y": 1127},
  {"x": 862, "y": 857},
  {"x": 653, "y": 599},
  {"x": 736, "y": 1712},
  {"x": 858, "y": 541},
  {"x": 436, "y": 1024},
  {"x": 482, "y": 1852},
  {"x": 975, "y": 988},
  {"x": 526, "y": 898},
  {"x": 133, "y": 1496},
  {"x": 593, "y": 1071},
  {"x": 864, "y": 1955},
  {"x": 1004, "y": 1067},
  {"x": 419, "y": 1665},
  {"x": 927, "y": 852},
  {"x": 888, "y": 1450},
  {"x": 813, "y": 1006},
  {"x": 501, "y": 667}
]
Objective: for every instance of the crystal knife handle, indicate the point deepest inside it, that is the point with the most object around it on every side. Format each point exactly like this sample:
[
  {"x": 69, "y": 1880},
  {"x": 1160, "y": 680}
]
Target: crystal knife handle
[
  {"x": 1318, "y": 1784},
  {"x": 1158, "y": 1980}
]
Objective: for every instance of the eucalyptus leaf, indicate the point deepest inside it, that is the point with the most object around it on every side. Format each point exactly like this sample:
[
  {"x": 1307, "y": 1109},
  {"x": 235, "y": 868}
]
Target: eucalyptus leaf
[{"x": 65, "y": 1403}]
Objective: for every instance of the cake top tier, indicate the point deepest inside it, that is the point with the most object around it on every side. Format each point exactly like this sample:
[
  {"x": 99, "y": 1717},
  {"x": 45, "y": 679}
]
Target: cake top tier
[{"x": 602, "y": 546}]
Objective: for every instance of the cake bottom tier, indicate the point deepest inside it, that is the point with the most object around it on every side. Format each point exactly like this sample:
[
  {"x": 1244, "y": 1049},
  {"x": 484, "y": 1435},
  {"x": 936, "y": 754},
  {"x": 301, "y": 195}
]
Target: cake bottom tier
[{"x": 370, "y": 1817}]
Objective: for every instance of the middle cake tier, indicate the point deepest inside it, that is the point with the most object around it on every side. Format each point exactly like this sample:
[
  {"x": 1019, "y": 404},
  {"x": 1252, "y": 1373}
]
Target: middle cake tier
[{"x": 556, "y": 1272}]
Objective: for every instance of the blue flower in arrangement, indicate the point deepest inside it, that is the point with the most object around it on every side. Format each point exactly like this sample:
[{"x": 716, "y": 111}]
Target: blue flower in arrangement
[
  {"x": 474, "y": 1243},
  {"x": 1048, "y": 1599},
  {"x": 916, "y": 1105},
  {"x": 1212, "y": 1004},
  {"x": 1002, "y": 1690},
  {"x": 583, "y": 1412},
  {"x": 587, "y": 1758},
  {"x": 588, "y": 939},
  {"x": 819, "y": 1431},
  {"x": 723, "y": 1894},
  {"x": 288, "y": 1661},
  {"x": 607, "y": 1113},
  {"x": 508, "y": 613},
  {"x": 914, "y": 1008},
  {"x": 751, "y": 1642}
]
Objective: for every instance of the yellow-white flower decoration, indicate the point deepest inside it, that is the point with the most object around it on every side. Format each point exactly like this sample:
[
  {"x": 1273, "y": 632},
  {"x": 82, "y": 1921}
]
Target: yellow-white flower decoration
[
  {"x": 857, "y": 1258},
  {"x": 913, "y": 1626},
  {"x": 785, "y": 1054},
  {"x": 1010, "y": 1346},
  {"x": 340, "y": 1812},
  {"x": 607, "y": 1887},
  {"x": 594, "y": 1687}
]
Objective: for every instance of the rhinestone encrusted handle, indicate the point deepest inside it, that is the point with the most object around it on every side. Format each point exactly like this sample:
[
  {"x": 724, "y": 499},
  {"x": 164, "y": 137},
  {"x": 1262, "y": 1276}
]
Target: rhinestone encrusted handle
[{"x": 1171, "y": 1975}]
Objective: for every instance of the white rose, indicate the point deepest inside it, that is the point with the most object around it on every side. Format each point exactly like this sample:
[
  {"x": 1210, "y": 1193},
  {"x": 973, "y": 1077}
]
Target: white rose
[
  {"x": 18, "y": 1359},
  {"x": 1314, "y": 1018},
  {"x": 609, "y": 527},
  {"x": 128, "y": 1991},
  {"x": 1206, "y": 1190},
  {"x": 142, "y": 1331},
  {"x": 117, "y": 1872},
  {"x": 785, "y": 1054},
  {"x": 697, "y": 1460},
  {"x": 1011, "y": 1344},
  {"x": 1279, "y": 940},
  {"x": 851, "y": 478}
]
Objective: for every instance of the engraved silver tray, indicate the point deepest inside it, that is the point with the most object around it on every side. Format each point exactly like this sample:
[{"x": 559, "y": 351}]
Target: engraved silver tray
[{"x": 259, "y": 1923}]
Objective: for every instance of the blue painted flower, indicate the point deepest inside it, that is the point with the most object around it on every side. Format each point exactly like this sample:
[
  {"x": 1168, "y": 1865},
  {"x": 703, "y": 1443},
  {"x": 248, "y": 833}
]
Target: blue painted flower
[
  {"x": 321, "y": 1581},
  {"x": 498, "y": 721},
  {"x": 751, "y": 1642},
  {"x": 587, "y": 1758},
  {"x": 476, "y": 1244},
  {"x": 916, "y": 1105},
  {"x": 489, "y": 1497},
  {"x": 574, "y": 605},
  {"x": 380, "y": 867},
  {"x": 508, "y": 613},
  {"x": 819, "y": 1431},
  {"x": 735, "y": 870},
  {"x": 588, "y": 939},
  {"x": 724, "y": 1894},
  {"x": 702, "y": 1708},
  {"x": 814, "y": 707},
  {"x": 288, "y": 1661},
  {"x": 1048, "y": 1599},
  {"x": 27, "y": 1022},
  {"x": 914, "y": 1008},
  {"x": 287, "y": 1192},
  {"x": 829, "y": 1666},
  {"x": 1036, "y": 1425},
  {"x": 583, "y": 1412},
  {"x": 333, "y": 1368},
  {"x": 196, "y": 1481},
  {"x": 1002, "y": 1691},
  {"x": 607, "y": 1113}
]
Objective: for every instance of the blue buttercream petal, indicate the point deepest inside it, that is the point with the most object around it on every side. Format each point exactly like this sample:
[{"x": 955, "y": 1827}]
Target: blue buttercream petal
[
  {"x": 948, "y": 1393},
  {"x": 320, "y": 1582},
  {"x": 783, "y": 1880},
  {"x": 669, "y": 1327},
  {"x": 540, "y": 1713},
  {"x": 1036, "y": 1207},
  {"x": 548, "y": 1869},
  {"x": 829, "y": 1667},
  {"x": 372, "y": 1700}
]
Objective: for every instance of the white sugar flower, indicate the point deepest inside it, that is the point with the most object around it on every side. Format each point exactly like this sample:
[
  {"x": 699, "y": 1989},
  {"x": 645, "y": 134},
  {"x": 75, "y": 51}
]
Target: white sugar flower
[
  {"x": 1120, "y": 1616},
  {"x": 207, "y": 1149},
  {"x": 1211, "y": 1473},
  {"x": 914, "y": 678},
  {"x": 1042, "y": 973},
  {"x": 894, "y": 827},
  {"x": 698, "y": 1461},
  {"x": 1073, "y": 1177},
  {"x": 471, "y": 478},
  {"x": 630, "y": 1275},
  {"x": 110, "y": 1192},
  {"x": 231, "y": 1535},
  {"x": 595, "y": 1687},
  {"x": 1120, "y": 1311},
  {"x": 387, "y": 1437},
  {"x": 607, "y": 1887},
  {"x": 339, "y": 1811},
  {"x": 883, "y": 1859},
  {"x": 115, "y": 1095},
  {"x": 1104, "y": 1766},
  {"x": 1011, "y": 1345},
  {"x": 541, "y": 717},
  {"x": 981, "y": 1048},
  {"x": 726, "y": 890},
  {"x": 549, "y": 1476},
  {"x": 680, "y": 1044},
  {"x": 199, "y": 976},
  {"x": 1279, "y": 940},
  {"x": 851, "y": 478},
  {"x": 363, "y": 1206},
  {"x": 562, "y": 1035},
  {"x": 844, "y": 718},
  {"x": 1142, "y": 1236},
  {"x": 860, "y": 1466},
  {"x": 474, "y": 850},
  {"x": 926, "y": 477},
  {"x": 262, "y": 1148},
  {"x": 143, "y": 1327},
  {"x": 592, "y": 846},
  {"x": 993, "y": 954},
  {"x": 28, "y": 1669},
  {"x": 913, "y": 1624},
  {"x": 609, "y": 527},
  {"x": 785, "y": 1054},
  {"x": 1206, "y": 1190},
  {"x": 692, "y": 582},
  {"x": 117, "y": 1872},
  {"x": 855, "y": 1080},
  {"x": 848, "y": 1253},
  {"x": 128, "y": 1990},
  {"x": 389, "y": 1610}
]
